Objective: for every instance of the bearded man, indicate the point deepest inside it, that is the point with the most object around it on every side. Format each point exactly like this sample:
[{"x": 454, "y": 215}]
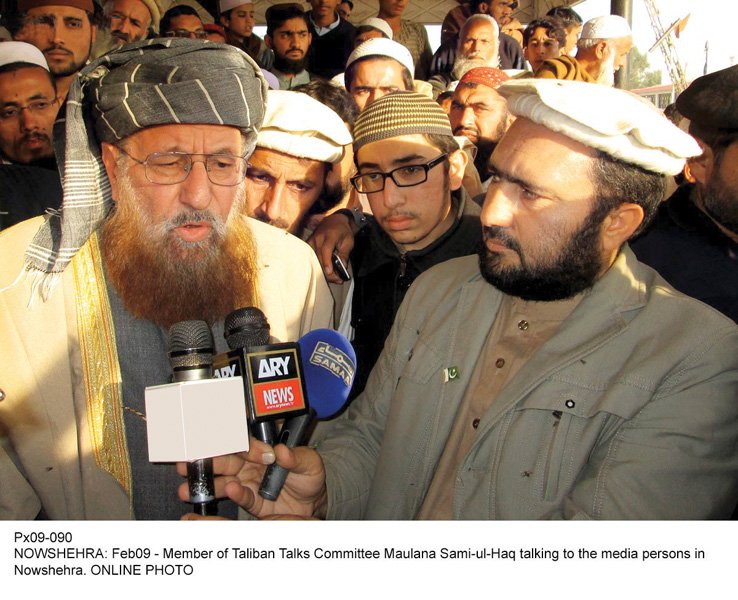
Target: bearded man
[
  {"x": 551, "y": 377},
  {"x": 152, "y": 232},
  {"x": 479, "y": 113},
  {"x": 693, "y": 242},
  {"x": 478, "y": 47},
  {"x": 64, "y": 30},
  {"x": 601, "y": 50}
]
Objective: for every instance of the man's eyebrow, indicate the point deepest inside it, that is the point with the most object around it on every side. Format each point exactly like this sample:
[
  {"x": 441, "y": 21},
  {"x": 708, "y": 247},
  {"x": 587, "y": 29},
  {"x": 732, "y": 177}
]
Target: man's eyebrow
[
  {"x": 72, "y": 20},
  {"x": 502, "y": 174},
  {"x": 398, "y": 162}
]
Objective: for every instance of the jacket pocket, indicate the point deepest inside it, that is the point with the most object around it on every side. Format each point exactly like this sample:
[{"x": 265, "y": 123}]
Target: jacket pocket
[{"x": 570, "y": 421}]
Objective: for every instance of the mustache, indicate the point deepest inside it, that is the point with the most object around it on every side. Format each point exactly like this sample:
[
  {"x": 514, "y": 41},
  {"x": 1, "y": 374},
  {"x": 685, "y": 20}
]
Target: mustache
[
  {"x": 501, "y": 236},
  {"x": 460, "y": 129},
  {"x": 57, "y": 47},
  {"x": 35, "y": 135}
]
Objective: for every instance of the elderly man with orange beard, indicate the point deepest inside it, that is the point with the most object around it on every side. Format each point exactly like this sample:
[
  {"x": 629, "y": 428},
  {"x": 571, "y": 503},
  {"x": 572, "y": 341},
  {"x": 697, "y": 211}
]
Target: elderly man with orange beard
[{"x": 152, "y": 232}]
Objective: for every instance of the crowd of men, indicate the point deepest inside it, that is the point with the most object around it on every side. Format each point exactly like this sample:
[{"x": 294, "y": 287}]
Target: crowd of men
[{"x": 496, "y": 203}]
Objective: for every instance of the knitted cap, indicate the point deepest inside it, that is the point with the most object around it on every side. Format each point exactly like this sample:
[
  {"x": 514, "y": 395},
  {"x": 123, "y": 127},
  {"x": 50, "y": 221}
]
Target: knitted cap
[{"x": 400, "y": 113}]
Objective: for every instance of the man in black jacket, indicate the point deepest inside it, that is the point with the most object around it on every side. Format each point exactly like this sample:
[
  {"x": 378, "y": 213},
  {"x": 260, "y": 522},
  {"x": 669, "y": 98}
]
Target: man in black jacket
[
  {"x": 693, "y": 242},
  {"x": 332, "y": 39},
  {"x": 410, "y": 167}
]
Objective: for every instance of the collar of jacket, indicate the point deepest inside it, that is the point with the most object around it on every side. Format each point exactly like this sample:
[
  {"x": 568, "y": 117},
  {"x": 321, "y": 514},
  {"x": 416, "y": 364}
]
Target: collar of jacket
[{"x": 380, "y": 249}]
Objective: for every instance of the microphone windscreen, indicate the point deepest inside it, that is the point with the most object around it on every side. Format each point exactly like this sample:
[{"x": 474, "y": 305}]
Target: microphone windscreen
[
  {"x": 190, "y": 344},
  {"x": 246, "y": 327},
  {"x": 329, "y": 366}
]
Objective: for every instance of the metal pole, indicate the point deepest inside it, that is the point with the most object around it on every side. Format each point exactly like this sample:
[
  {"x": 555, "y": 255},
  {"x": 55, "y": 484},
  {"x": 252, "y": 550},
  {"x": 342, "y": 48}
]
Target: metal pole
[{"x": 624, "y": 8}]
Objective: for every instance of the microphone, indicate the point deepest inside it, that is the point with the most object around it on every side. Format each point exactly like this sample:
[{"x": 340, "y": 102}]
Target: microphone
[
  {"x": 329, "y": 365},
  {"x": 191, "y": 356},
  {"x": 246, "y": 328},
  {"x": 271, "y": 373}
]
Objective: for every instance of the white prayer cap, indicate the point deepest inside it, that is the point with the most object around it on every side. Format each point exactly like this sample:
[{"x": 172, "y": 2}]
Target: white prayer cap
[
  {"x": 225, "y": 5},
  {"x": 383, "y": 47},
  {"x": 15, "y": 52},
  {"x": 380, "y": 24},
  {"x": 606, "y": 27},
  {"x": 614, "y": 121},
  {"x": 298, "y": 125}
]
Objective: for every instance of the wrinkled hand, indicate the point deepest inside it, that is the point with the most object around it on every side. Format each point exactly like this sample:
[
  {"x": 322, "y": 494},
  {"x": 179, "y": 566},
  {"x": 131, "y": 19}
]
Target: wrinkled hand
[
  {"x": 335, "y": 232},
  {"x": 238, "y": 477}
]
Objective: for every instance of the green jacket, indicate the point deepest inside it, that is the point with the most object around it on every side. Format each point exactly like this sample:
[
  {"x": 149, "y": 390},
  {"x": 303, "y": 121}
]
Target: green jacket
[{"x": 630, "y": 411}]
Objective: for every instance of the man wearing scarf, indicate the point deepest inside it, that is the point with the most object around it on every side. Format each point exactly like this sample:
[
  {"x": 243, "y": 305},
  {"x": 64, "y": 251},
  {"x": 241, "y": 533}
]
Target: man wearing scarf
[{"x": 152, "y": 232}]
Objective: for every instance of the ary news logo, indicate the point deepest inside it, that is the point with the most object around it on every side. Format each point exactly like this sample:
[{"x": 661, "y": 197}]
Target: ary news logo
[
  {"x": 276, "y": 381},
  {"x": 334, "y": 360}
]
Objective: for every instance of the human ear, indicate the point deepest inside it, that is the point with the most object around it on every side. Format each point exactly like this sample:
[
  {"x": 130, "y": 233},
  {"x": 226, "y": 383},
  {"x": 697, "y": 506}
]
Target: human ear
[
  {"x": 620, "y": 224},
  {"x": 457, "y": 161},
  {"x": 110, "y": 160}
]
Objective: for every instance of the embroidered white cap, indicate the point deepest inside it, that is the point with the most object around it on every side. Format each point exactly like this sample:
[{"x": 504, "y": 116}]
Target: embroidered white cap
[
  {"x": 617, "y": 122},
  {"x": 298, "y": 125}
]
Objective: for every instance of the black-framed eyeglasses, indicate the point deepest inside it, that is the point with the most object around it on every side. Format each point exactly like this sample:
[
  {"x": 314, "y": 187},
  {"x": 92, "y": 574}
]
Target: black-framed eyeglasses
[
  {"x": 407, "y": 176},
  {"x": 168, "y": 168}
]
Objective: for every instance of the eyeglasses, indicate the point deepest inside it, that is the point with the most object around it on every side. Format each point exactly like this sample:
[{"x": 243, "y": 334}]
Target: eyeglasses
[
  {"x": 37, "y": 106},
  {"x": 407, "y": 176},
  {"x": 168, "y": 168},
  {"x": 200, "y": 34}
]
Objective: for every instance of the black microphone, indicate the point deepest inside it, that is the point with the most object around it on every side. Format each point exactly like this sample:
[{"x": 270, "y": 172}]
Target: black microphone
[
  {"x": 191, "y": 356},
  {"x": 271, "y": 373},
  {"x": 247, "y": 328},
  {"x": 329, "y": 367}
]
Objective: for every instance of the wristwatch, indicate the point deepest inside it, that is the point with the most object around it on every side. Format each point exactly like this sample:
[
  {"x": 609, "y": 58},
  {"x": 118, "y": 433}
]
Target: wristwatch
[{"x": 355, "y": 215}]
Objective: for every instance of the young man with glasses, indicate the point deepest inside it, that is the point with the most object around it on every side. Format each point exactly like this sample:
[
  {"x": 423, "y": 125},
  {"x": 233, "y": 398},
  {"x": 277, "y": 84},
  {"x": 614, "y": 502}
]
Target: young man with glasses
[
  {"x": 152, "y": 232},
  {"x": 183, "y": 21},
  {"x": 410, "y": 167}
]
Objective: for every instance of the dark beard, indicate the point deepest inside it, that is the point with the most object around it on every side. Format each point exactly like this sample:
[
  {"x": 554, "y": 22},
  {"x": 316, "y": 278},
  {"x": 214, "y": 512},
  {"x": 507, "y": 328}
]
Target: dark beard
[
  {"x": 290, "y": 66},
  {"x": 575, "y": 269},
  {"x": 720, "y": 203},
  {"x": 162, "y": 279}
]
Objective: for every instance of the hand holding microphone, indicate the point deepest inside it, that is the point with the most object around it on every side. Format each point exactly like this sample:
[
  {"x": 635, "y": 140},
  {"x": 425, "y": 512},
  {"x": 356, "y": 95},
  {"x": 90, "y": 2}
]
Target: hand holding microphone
[{"x": 329, "y": 366}]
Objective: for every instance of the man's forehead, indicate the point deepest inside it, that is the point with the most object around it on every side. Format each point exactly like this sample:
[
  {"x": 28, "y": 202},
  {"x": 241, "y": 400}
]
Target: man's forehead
[
  {"x": 477, "y": 93},
  {"x": 296, "y": 25},
  {"x": 33, "y": 80},
  {"x": 479, "y": 28},
  {"x": 54, "y": 10},
  {"x": 267, "y": 158},
  {"x": 524, "y": 133}
]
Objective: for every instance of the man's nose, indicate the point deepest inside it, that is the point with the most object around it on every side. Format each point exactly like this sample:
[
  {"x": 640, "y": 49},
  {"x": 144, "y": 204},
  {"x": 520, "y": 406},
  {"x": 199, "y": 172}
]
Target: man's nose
[
  {"x": 273, "y": 203},
  {"x": 498, "y": 209},
  {"x": 196, "y": 190}
]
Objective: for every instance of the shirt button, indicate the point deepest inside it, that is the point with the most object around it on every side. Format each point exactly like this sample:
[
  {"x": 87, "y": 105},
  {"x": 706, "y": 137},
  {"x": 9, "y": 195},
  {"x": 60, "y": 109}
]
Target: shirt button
[
  {"x": 2, "y": 395},
  {"x": 570, "y": 403},
  {"x": 523, "y": 325},
  {"x": 499, "y": 363},
  {"x": 475, "y": 423}
]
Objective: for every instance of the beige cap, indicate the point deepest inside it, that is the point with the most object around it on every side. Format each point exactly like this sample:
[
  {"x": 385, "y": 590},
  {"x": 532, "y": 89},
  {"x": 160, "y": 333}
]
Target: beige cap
[
  {"x": 225, "y": 5},
  {"x": 614, "y": 121},
  {"x": 298, "y": 125}
]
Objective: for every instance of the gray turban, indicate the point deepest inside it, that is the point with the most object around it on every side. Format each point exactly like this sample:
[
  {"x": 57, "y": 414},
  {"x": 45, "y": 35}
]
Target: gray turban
[{"x": 152, "y": 82}]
